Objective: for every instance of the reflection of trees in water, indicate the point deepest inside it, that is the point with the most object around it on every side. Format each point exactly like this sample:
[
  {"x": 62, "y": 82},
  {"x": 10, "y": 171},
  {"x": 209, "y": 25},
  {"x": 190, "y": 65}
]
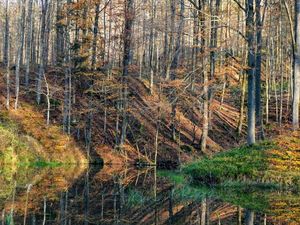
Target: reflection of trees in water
[
  {"x": 249, "y": 215},
  {"x": 128, "y": 196}
]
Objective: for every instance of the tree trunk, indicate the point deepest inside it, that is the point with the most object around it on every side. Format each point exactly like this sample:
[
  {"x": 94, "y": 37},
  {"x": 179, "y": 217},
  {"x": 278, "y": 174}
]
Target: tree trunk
[
  {"x": 179, "y": 36},
  {"x": 205, "y": 83},
  {"x": 67, "y": 79},
  {"x": 42, "y": 51},
  {"x": 296, "y": 94},
  {"x": 20, "y": 49},
  {"x": 259, "y": 26},
  {"x": 249, "y": 220},
  {"x": 6, "y": 36},
  {"x": 170, "y": 55},
  {"x": 28, "y": 41},
  {"x": 6, "y": 55},
  {"x": 59, "y": 35},
  {"x": 250, "y": 71},
  {"x": 129, "y": 15},
  {"x": 96, "y": 23}
]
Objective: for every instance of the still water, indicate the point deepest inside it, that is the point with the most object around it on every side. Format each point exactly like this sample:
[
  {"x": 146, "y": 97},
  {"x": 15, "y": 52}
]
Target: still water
[{"x": 119, "y": 195}]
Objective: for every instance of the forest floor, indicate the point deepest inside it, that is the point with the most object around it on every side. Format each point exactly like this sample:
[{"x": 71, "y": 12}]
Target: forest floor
[
  {"x": 270, "y": 162},
  {"x": 25, "y": 139}
]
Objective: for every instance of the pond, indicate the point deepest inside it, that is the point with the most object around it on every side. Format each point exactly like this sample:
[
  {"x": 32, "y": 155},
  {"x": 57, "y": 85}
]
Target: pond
[{"x": 118, "y": 195}]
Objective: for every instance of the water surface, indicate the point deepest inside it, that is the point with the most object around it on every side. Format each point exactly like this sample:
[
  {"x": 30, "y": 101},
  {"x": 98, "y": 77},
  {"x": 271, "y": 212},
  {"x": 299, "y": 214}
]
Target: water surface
[{"x": 119, "y": 195}]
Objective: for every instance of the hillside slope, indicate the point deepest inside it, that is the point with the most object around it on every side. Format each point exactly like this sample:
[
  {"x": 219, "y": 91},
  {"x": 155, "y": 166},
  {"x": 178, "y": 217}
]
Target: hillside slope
[
  {"x": 26, "y": 139},
  {"x": 102, "y": 103}
]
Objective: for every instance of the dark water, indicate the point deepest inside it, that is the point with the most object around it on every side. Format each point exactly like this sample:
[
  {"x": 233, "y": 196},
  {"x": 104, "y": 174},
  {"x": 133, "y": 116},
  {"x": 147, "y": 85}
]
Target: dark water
[{"x": 118, "y": 195}]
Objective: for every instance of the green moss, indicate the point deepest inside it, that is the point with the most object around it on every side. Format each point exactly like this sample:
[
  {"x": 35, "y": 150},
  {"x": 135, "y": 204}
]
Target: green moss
[
  {"x": 12, "y": 149},
  {"x": 237, "y": 164},
  {"x": 15, "y": 150}
]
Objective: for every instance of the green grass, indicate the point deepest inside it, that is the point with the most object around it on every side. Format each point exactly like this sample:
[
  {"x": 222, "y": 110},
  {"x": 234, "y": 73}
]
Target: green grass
[{"x": 237, "y": 164}]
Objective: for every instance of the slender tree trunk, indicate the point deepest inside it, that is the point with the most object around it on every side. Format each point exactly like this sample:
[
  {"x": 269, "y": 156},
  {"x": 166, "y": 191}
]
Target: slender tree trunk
[
  {"x": 33, "y": 42},
  {"x": 59, "y": 34},
  {"x": 48, "y": 100},
  {"x": 242, "y": 103},
  {"x": 166, "y": 50},
  {"x": 179, "y": 36},
  {"x": 6, "y": 55},
  {"x": 42, "y": 50},
  {"x": 213, "y": 45},
  {"x": 96, "y": 23},
  {"x": 20, "y": 49},
  {"x": 296, "y": 93},
  {"x": 6, "y": 36},
  {"x": 170, "y": 55},
  {"x": 28, "y": 41},
  {"x": 280, "y": 66},
  {"x": 250, "y": 71},
  {"x": 259, "y": 27},
  {"x": 47, "y": 33},
  {"x": 152, "y": 44},
  {"x": 67, "y": 79},
  {"x": 205, "y": 83}
]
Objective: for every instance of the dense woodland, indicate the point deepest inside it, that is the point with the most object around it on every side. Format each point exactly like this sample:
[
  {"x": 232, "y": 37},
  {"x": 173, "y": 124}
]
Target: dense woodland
[{"x": 154, "y": 79}]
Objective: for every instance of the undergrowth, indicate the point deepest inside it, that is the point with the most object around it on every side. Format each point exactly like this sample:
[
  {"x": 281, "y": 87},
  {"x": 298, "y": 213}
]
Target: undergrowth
[
  {"x": 26, "y": 141},
  {"x": 275, "y": 162}
]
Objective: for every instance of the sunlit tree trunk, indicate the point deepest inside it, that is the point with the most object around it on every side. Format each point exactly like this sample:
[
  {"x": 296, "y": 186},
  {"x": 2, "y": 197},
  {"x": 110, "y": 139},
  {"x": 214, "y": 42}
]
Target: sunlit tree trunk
[
  {"x": 21, "y": 37},
  {"x": 205, "y": 83},
  {"x": 296, "y": 93},
  {"x": 259, "y": 27},
  {"x": 250, "y": 71},
  {"x": 152, "y": 45}
]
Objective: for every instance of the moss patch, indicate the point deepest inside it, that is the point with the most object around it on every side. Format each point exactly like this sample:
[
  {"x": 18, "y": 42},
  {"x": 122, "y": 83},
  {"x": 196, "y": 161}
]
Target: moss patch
[
  {"x": 12, "y": 149},
  {"x": 275, "y": 162},
  {"x": 25, "y": 139}
]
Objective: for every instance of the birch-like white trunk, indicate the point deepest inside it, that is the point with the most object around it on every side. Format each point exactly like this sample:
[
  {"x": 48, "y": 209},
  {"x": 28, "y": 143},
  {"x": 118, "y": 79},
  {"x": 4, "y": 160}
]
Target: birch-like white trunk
[{"x": 296, "y": 94}]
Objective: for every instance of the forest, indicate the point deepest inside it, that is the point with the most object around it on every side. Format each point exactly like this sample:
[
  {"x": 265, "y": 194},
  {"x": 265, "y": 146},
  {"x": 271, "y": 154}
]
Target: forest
[{"x": 149, "y": 112}]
